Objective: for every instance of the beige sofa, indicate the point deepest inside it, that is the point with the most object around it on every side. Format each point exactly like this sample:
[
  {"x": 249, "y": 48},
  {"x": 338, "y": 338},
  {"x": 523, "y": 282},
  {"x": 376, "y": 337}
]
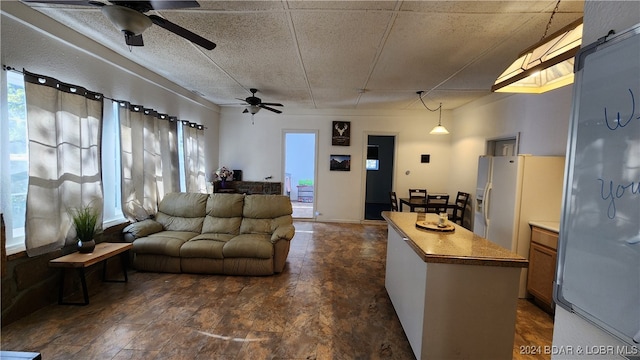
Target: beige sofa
[{"x": 218, "y": 233}]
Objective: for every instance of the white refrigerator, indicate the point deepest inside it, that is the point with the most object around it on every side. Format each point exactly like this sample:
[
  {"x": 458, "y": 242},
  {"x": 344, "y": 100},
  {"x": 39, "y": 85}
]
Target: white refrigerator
[{"x": 510, "y": 192}]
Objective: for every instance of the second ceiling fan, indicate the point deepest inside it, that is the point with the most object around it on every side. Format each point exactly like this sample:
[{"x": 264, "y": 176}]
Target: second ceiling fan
[{"x": 255, "y": 104}]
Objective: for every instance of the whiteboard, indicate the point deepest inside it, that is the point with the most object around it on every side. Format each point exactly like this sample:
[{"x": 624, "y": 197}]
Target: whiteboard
[{"x": 598, "y": 274}]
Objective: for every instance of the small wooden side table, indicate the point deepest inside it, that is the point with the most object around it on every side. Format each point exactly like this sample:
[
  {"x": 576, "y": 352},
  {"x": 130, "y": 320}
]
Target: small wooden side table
[{"x": 79, "y": 261}]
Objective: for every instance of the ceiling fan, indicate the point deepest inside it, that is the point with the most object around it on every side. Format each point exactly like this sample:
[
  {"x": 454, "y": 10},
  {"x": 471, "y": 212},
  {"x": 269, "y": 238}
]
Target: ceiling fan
[
  {"x": 129, "y": 17},
  {"x": 255, "y": 104}
]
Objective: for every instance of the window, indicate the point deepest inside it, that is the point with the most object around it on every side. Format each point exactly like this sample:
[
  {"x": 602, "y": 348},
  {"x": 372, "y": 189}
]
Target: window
[
  {"x": 111, "y": 173},
  {"x": 14, "y": 160},
  {"x": 373, "y": 164},
  {"x": 372, "y": 157}
]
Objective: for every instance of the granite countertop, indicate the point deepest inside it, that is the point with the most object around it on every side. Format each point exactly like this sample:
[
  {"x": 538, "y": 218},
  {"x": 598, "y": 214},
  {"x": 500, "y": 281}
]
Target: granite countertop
[
  {"x": 547, "y": 225},
  {"x": 458, "y": 247}
]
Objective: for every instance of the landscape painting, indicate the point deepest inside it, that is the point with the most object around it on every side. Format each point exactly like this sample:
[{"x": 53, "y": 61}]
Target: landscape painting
[{"x": 340, "y": 163}]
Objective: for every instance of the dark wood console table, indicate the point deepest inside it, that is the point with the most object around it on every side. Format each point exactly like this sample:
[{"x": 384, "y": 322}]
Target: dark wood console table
[{"x": 249, "y": 187}]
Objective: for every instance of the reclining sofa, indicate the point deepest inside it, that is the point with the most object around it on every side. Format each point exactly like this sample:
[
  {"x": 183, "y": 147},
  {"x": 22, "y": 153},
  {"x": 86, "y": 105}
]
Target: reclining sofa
[{"x": 220, "y": 233}]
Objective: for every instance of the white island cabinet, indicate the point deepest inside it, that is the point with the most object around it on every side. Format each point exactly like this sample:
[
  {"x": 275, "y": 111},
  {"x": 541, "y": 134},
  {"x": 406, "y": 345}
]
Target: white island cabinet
[{"x": 455, "y": 293}]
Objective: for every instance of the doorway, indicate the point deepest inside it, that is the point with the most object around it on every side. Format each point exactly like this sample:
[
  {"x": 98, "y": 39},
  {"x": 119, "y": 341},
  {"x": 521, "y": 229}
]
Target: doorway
[
  {"x": 379, "y": 178},
  {"x": 300, "y": 172}
]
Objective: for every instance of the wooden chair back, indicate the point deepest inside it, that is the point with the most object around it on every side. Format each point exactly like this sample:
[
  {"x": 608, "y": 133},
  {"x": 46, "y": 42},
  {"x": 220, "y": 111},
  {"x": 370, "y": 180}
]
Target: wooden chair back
[
  {"x": 462, "y": 200},
  {"x": 437, "y": 203},
  {"x": 394, "y": 201},
  {"x": 417, "y": 193}
]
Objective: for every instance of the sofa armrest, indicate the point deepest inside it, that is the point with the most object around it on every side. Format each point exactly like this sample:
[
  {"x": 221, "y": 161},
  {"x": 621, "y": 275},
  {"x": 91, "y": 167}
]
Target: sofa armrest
[
  {"x": 283, "y": 232},
  {"x": 141, "y": 229}
]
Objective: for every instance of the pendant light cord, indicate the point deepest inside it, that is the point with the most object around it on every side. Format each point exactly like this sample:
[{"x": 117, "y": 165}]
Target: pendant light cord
[{"x": 432, "y": 110}]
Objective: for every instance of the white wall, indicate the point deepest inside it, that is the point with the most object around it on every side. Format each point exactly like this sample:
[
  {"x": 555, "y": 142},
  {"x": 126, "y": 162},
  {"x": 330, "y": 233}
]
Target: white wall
[
  {"x": 40, "y": 45},
  {"x": 541, "y": 120},
  {"x": 570, "y": 330},
  {"x": 257, "y": 150}
]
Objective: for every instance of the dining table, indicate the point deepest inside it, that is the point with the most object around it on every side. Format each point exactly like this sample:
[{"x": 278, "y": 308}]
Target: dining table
[{"x": 421, "y": 202}]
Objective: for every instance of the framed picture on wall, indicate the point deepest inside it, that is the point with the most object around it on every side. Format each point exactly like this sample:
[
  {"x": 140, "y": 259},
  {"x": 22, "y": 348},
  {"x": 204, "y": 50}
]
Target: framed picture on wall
[
  {"x": 340, "y": 163},
  {"x": 341, "y": 133}
]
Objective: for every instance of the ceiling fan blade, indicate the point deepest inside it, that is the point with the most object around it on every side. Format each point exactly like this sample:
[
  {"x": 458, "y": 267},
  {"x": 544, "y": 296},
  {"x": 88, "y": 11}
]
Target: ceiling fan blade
[
  {"x": 270, "y": 109},
  {"x": 245, "y": 111},
  {"x": 133, "y": 39},
  {"x": 168, "y": 4},
  {"x": 272, "y": 104},
  {"x": 180, "y": 31}
]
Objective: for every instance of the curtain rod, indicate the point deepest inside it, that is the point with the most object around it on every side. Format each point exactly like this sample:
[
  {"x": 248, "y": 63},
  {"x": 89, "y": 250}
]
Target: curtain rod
[{"x": 132, "y": 107}]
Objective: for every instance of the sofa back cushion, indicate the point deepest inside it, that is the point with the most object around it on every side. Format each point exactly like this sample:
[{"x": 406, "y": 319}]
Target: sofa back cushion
[
  {"x": 262, "y": 214},
  {"x": 224, "y": 214},
  {"x": 182, "y": 211}
]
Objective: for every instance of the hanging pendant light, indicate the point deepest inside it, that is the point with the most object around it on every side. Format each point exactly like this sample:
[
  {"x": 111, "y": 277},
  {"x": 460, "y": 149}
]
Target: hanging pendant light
[
  {"x": 546, "y": 65},
  {"x": 439, "y": 129}
]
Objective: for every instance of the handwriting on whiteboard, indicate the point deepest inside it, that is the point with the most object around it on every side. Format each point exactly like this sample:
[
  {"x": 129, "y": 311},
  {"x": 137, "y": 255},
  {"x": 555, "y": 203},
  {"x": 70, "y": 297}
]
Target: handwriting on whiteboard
[
  {"x": 618, "y": 121},
  {"x": 611, "y": 190}
]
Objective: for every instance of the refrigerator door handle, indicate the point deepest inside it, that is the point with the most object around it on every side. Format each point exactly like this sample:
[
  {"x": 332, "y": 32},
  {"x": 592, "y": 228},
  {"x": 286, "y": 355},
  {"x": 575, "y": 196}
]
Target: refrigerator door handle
[{"x": 485, "y": 208}]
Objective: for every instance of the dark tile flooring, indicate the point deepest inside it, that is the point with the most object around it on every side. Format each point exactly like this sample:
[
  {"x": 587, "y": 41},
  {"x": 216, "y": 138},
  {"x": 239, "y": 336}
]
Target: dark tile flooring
[{"x": 329, "y": 303}]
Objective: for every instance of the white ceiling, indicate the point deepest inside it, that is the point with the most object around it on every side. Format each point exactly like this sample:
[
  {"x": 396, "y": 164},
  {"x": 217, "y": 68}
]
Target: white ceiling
[{"x": 335, "y": 54}]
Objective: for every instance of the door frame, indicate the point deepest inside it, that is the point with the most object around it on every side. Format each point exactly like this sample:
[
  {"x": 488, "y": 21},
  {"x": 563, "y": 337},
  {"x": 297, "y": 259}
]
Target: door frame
[
  {"x": 315, "y": 132},
  {"x": 363, "y": 166}
]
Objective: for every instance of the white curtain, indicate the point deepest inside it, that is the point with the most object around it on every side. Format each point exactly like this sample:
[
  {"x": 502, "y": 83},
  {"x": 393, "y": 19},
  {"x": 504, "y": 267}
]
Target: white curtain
[
  {"x": 149, "y": 155},
  {"x": 169, "y": 153},
  {"x": 64, "y": 128},
  {"x": 193, "y": 143}
]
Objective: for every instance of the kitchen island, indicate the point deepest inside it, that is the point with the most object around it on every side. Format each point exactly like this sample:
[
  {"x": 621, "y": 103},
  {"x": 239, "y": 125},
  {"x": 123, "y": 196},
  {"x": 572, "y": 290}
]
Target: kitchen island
[{"x": 455, "y": 292}]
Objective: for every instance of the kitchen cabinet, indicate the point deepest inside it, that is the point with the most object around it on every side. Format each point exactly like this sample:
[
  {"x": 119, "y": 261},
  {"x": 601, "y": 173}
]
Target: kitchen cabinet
[
  {"x": 455, "y": 293},
  {"x": 542, "y": 265}
]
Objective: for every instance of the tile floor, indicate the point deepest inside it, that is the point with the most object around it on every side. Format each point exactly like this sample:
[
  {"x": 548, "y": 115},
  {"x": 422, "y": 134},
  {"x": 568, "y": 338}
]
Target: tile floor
[{"x": 329, "y": 303}]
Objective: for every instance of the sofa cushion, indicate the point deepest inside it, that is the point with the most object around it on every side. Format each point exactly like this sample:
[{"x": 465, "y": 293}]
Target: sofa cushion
[
  {"x": 182, "y": 211},
  {"x": 266, "y": 206},
  {"x": 224, "y": 214},
  {"x": 205, "y": 246},
  {"x": 225, "y": 205},
  {"x": 263, "y": 214},
  {"x": 249, "y": 246},
  {"x": 163, "y": 243}
]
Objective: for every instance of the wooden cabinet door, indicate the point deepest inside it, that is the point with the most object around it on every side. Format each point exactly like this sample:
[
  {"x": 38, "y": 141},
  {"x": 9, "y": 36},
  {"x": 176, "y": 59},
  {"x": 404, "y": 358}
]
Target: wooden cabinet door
[{"x": 542, "y": 267}]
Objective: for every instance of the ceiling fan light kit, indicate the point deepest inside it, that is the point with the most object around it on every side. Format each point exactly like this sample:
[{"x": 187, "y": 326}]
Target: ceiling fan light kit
[
  {"x": 126, "y": 19},
  {"x": 254, "y": 104},
  {"x": 253, "y": 109}
]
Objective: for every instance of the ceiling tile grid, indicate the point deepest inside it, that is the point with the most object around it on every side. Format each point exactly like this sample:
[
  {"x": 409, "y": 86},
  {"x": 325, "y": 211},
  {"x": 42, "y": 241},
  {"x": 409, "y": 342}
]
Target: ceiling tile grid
[{"x": 333, "y": 54}]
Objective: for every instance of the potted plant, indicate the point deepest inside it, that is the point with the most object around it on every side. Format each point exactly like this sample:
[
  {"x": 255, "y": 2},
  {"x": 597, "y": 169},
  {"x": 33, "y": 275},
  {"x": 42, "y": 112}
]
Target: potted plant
[{"x": 85, "y": 222}]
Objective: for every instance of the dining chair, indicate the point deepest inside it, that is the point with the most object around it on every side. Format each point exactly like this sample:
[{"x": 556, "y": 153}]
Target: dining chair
[
  {"x": 394, "y": 200},
  {"x": 417, "y": 194},
  {"x": 437, "y": 203},
  {"x": 462, "y": 200}
]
